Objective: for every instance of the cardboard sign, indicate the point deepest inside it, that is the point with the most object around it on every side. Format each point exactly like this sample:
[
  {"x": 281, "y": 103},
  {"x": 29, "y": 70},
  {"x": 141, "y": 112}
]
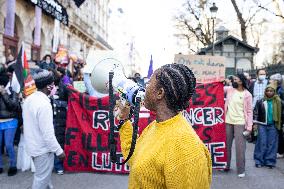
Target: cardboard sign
[{"x": 205, "y": 68}]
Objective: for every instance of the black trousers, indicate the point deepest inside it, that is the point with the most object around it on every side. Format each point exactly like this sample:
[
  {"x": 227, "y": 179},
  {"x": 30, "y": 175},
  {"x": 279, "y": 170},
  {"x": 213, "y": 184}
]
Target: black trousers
[{"x": 280, "y": 142}]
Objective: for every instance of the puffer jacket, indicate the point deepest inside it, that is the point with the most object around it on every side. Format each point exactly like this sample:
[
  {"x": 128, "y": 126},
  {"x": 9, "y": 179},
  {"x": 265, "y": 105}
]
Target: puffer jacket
[
  {"x": 59, "y": 106},
  {"x": 9, "y": 105}
]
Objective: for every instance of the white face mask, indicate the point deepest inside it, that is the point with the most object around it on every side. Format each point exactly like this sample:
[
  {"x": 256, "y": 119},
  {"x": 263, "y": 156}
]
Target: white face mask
[{"x": 262, "y": 77}]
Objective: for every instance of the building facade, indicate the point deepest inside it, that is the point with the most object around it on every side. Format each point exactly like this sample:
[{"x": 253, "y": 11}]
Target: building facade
[{"x": 87, "y": 27}]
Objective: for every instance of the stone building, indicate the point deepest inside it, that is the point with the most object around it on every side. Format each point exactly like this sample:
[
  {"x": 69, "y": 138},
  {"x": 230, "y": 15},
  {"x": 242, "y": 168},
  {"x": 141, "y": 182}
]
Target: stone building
[{"x": 86, "y": 28}]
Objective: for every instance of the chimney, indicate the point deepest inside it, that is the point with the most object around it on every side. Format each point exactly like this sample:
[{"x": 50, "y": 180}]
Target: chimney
[{"x": 221, "y": 33}]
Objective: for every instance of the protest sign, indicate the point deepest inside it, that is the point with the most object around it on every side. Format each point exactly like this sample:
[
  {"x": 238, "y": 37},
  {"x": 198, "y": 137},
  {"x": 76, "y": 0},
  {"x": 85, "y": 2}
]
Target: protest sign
[{"x": 205, "y": 68}]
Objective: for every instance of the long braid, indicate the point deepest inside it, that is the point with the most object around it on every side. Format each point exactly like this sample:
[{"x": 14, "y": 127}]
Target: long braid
[{"x": 179, "y": 83}]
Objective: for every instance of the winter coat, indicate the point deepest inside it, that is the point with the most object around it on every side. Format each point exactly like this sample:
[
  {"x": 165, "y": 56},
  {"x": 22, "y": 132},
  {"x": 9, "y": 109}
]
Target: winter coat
[
  {"x": 9, "y": 105},
  {"x": 59, "y": 106}
]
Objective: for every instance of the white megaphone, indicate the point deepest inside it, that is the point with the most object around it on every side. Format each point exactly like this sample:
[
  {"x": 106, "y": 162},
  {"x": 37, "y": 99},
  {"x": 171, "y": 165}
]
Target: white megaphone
[{"x": 128, "y": 90}]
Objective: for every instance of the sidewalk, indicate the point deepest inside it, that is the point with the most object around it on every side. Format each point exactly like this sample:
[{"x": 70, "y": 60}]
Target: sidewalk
[{"x": 256, "y": 178}]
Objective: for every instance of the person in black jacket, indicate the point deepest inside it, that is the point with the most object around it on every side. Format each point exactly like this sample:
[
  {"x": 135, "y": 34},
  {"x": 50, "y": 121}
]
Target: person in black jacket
[
  {"x": 47, "y": 63},
  {"x": 59, "y": 105},
  {"x": 9, "y": 107}
]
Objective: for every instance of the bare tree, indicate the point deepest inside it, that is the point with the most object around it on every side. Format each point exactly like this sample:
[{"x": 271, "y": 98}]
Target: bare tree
[
  {"x": 192, "y": 17},
  {"x": 245, "y": 21}
]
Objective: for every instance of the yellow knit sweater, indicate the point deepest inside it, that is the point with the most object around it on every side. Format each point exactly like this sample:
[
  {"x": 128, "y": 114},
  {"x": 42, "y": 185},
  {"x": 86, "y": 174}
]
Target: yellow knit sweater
[{"x": 168, "y": 154}]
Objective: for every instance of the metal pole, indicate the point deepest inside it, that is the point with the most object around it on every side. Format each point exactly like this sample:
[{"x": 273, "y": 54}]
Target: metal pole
[{"x": 213, "y": 50}]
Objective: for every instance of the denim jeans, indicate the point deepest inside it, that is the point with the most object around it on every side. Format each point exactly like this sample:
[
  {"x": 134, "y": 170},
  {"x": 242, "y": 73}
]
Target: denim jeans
[
  {"x": 9, "y": 135},
  {"x": 266, "y": 145},
  {"x": 58, "y": 164}
]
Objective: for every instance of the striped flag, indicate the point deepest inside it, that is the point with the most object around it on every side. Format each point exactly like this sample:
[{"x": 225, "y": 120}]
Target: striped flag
[
  {"x": 150, "y": 70},
  {"x": 22, "y": 80}
]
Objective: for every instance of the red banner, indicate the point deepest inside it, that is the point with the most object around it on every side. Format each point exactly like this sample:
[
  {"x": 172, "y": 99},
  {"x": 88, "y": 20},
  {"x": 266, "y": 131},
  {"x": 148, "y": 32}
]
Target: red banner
[
  {"x": 206, "y": 115},
  {"x": 87, "y": 129}
]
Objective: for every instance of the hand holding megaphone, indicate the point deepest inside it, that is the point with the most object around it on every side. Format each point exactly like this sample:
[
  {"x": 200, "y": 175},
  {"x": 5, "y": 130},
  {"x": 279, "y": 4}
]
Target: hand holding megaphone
[{"x": 122, "y": 111}]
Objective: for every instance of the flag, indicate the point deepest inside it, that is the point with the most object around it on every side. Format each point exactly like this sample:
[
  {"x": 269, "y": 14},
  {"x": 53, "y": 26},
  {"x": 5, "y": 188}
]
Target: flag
[
  {"x": 22, "y": 79},
  {"x": 150, "y": 70}
]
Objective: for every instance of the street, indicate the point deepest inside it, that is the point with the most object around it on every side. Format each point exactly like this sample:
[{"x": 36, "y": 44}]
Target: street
[{"x": 256, "y": 178}]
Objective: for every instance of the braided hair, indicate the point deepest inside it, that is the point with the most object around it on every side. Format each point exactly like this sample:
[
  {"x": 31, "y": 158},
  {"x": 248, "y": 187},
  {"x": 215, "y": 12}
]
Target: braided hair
[{"x": 179, "y": 82}]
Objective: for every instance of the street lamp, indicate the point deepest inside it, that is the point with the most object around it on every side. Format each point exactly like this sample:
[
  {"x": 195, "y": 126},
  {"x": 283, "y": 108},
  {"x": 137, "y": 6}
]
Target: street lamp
[
  {"x": 213, "y": 11},
  {"x": 198, "y": 32}
]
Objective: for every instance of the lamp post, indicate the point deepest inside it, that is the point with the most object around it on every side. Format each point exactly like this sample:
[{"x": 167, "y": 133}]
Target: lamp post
[
  {"x": 213, "y": 11},
  {"x": 198, "y": 32}
]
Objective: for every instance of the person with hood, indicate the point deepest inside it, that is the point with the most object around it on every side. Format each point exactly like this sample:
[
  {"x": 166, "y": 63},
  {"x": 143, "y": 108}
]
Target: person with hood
[{"x": 267, "y": 119}]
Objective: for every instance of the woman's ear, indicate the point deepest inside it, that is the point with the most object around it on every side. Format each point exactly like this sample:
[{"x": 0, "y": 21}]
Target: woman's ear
[{"x": 161, "y": 93}]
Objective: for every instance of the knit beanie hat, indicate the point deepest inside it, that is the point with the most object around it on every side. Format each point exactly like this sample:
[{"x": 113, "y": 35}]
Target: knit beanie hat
[
  {"x": 43, "y": 78},
  {"x": 277, "y": 77}
]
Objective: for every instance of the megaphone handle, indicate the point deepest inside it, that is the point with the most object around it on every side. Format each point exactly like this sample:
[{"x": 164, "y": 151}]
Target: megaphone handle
[
  {"x": 112, "y": 142},
  {"x": 135, "y": 130}
]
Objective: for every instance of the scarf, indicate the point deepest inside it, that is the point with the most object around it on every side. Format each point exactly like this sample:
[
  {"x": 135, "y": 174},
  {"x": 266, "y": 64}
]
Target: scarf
[{"x": 276, "y": 102}]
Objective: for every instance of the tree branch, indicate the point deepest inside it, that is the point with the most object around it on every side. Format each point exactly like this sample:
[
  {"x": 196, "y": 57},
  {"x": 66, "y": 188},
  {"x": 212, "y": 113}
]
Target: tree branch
[
  {"x": 248, "y": 21},
  {"x": 191, "y": 10},
  {"x": 266, "y": 9}
]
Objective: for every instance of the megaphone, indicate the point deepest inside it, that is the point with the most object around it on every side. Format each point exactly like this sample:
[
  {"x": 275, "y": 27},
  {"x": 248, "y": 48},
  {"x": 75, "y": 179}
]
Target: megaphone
[
  {"x": 128, "y": 90},
  {"x": 108, "y": 76}
]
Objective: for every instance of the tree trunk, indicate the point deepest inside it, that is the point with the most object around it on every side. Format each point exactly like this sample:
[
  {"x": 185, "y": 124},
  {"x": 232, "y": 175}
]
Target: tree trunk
[{"x": 241, "y": 20}]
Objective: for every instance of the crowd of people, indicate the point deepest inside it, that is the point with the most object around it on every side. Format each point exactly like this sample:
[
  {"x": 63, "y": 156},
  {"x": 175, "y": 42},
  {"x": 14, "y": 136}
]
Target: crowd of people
[
  {"x": 52, "y": 79},
  {"x": 254, "y": 112},
  {"x": 43, "y": 133}
]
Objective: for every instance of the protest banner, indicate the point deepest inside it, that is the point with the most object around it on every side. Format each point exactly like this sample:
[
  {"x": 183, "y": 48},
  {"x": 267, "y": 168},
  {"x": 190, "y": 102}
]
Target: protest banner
[
  {"x": 87, "y": 129},
  {"x": 207, "y": 116},
  {"x": 205, "y": 68}
]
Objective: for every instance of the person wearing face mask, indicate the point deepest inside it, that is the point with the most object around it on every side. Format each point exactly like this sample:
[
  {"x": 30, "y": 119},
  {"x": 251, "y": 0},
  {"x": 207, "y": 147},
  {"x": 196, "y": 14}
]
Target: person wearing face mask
[
  {"x": 239, "y": 114},
  {"x": 257, "y": 88},
  {"x": 41, "y": 143}
]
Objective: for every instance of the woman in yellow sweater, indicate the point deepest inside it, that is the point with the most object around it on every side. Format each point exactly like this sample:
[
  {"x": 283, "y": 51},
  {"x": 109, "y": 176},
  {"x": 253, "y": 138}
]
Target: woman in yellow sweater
[{"x": 168, "y": 154}]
